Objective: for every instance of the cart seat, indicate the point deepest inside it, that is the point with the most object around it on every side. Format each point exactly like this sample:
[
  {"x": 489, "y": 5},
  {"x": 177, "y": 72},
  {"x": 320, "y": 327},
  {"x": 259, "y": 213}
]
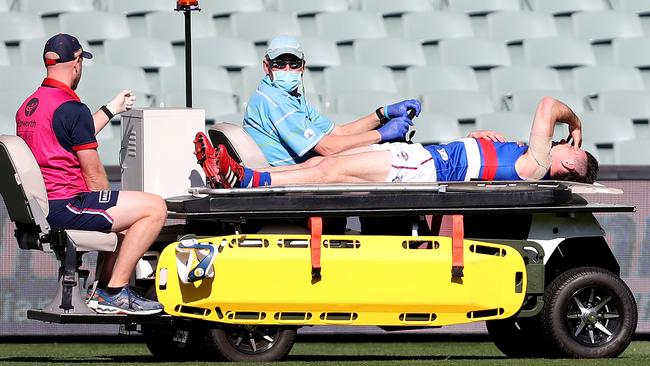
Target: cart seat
[
  {"x": 25, "y": 196},
  {"x": 239, "y": 144},
  {"x": 23, "y": 190}
]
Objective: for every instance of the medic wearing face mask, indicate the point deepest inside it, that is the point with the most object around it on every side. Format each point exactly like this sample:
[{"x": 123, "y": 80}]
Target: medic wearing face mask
[{"x": 289, "y": 130}]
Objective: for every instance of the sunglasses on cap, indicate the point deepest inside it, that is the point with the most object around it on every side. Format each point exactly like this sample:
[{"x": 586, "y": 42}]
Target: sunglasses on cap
[{"x": 281, "y": 64}]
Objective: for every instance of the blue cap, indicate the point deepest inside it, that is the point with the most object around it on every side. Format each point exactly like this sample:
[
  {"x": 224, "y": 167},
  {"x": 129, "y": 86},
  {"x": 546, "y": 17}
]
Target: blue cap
[
  {"x": 284, "y": 45},
  {"x": 65, "y": 46}
]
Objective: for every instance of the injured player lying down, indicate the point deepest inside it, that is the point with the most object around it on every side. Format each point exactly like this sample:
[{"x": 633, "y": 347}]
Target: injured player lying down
[{"x": 484, "y": 156}]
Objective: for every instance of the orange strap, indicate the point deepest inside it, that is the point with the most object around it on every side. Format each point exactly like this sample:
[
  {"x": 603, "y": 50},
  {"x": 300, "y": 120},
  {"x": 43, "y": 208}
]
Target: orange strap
[
  {"x": 457, "y": 238},
  {"x": 315, "y": 225}
]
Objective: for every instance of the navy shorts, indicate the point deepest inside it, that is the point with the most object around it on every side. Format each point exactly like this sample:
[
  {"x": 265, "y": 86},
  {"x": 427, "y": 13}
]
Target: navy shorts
[{"x": 86, "y": 211}]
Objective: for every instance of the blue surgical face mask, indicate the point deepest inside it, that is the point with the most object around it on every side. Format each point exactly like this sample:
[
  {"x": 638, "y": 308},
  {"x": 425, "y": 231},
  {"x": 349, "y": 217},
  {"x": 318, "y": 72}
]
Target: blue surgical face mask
[{"x": 286, "y": 80}]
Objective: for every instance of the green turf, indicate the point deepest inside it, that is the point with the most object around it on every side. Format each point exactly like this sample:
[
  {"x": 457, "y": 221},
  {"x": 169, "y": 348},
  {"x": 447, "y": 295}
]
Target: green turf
[{"x": 312, "y": 354}]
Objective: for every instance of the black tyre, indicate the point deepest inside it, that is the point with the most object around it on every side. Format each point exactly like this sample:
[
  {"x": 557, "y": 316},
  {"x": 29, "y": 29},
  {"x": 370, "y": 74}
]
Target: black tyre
[
  {"x": 250, "y": 343},
  {"x": 520, "y": 337},
  {"x": 166, "y": 343},
  {"x": 589, "y": 313}
]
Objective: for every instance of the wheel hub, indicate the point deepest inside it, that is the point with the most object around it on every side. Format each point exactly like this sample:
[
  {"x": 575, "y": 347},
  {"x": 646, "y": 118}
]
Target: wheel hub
[{"x": 592, "y": 316}]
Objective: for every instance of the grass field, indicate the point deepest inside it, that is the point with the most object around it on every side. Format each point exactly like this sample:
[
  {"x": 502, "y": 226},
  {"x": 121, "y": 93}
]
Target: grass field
[{"x": 309, "y": 353}]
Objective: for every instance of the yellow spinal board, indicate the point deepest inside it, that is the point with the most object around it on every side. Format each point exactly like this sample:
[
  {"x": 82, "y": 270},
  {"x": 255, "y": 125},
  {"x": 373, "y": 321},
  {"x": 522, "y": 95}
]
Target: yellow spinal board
[{"x": 366, "y": 280}]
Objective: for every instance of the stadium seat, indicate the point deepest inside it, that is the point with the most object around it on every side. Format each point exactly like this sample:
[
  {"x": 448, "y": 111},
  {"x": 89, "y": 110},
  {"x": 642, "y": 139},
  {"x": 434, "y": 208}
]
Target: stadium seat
[
  {"x": 203, "y": 77},
  {"x": 94, "y": 98},
  {"x": 215, "y": 103},
  {"x": 31, "y": 51},
  {"x": 591, "y": 80},
  {"x": 210, "y": 51},
  {"x": 392, "y": 7},
  {"x": 402, "y": 53},
  {"x": 170, "y": 26},
  {"x": 4, "y": 5},
  {"x": 142, "y": 52},
  {"x": 629, "y": 103},
  {"x": 226, "y": 8},
  {"x": 515, "y": 26},
  {"x": 259, "y": 27},
  {"x": 474, "y": 52},
  {"x": 95, "y": 26},
  {"x": 346, "y": 27},
  {"x": 431, "y": 78},
  {"x": 526, "y": 101},
  {"x": 115, "y": 78},
  {"x": 320, "y": 53},
  {"x": 510, "y": 79},
  {"x": 602, "y": 128},
  {"x": 358, "y": 78},
  {"x": 482, "y": 7},
  {"x": 49, "y": 7},
  {"x": 565, "y": 7},
  {"x": 7, "y": 124},
  {"x": 603, "y": 26},
  {"x": 632, "y": 52},
  {"x": 303, "y": 8},
  {"x": 435, "y": 128},
  {"x": 514, "y": 126},
  {"x": 462, "y": 105},
  {"x": 641, "y": 7},
  {"x": 21, "y": 76},
  {"x": 25, "y": 198},
  {"x": 15, "y": 27},
  {"x": 431, "y": 27},
  {"x": 558, "y": 52},
  {"x": 361, "y": 104},
  {"x": 632, "y": 152},
  {"x": 138, "y": 7},
  {"x": 4, "y": 56}
]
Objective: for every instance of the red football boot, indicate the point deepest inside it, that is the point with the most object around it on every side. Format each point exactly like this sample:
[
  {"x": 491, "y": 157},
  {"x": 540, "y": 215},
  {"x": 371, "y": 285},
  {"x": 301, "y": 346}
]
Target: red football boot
[
  {"x": 206, "y": 157},
  {"x": 230, "y": 171}
]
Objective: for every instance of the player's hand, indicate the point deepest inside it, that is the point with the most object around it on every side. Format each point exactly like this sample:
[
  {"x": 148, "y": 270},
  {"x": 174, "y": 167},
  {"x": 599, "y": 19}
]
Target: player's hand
[
  {"x": 401, "y": 109},
  {"x": 122, "y": 102},
  {"x": 575, "y": 136},
  {"x": 395, "y": 129},
  {"x": 487, "y": 135}
]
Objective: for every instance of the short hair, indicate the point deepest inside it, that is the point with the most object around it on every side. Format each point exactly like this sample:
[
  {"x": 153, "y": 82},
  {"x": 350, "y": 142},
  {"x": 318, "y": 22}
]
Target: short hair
[{"x": 590, "y": 175}]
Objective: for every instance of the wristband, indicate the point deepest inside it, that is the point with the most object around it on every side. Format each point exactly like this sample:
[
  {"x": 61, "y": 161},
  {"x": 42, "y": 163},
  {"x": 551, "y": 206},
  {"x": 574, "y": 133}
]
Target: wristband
[
  {"x": 382, "y": 118},
  {"x": 106, "y": 111}
]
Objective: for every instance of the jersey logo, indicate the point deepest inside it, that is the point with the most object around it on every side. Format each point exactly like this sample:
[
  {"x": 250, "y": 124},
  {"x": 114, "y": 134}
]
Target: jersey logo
[
  {"x": 405, "y": 155},
  {"x": 443, "y": 154},
  {"x": 31, "y": 106},
  {"x": 309, "y": 134},
  {"x": 104, "y": 196}
]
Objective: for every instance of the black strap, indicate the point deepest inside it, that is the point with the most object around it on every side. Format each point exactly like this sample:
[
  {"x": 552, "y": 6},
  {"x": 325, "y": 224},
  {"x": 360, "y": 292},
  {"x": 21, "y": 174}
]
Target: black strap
[
  {"x": 69, "y": 268},
  {"x": 106, "y": 111},
  {"x": 382, "y": 118}
]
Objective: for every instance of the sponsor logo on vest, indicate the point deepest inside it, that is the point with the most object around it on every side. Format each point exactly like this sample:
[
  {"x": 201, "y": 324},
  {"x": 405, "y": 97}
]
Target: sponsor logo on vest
[
  {"x": 443, "y": 154},
  {"x": 31, "y": 106},
  {"x": 104, "y": 196},
  {"x": 26, "y": 124}
]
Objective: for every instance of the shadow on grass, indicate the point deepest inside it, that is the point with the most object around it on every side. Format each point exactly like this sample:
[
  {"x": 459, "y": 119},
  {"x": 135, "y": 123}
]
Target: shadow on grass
[{"x": 296, "y": 358}]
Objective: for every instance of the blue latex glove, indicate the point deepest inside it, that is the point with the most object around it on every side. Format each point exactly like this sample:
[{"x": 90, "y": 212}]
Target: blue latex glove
[
  {"x": 395, "y": 129},
  {"x": 401, "y": 109}
]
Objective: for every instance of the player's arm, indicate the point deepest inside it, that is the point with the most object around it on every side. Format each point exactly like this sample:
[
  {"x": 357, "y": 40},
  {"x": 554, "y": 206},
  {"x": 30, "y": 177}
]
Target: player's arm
[
  {"x": 364, "y": 124},
  {"x": 92, "y": 170}
]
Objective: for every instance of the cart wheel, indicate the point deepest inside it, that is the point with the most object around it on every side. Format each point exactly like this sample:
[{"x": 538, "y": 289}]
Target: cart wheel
[
  {"x": 589, "y": 313},
  {"x": 164, "y": 343},
  {"x": 250, "y": 342},
  {"x": 519, "y": 337}
]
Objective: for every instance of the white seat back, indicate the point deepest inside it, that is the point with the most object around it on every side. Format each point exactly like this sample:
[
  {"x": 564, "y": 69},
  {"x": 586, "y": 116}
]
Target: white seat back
[{"x": 239, "y": 144}]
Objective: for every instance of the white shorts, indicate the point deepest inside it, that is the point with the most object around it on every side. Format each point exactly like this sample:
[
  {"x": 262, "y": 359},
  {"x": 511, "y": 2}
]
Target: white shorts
[{"x": 410, "y": 162}]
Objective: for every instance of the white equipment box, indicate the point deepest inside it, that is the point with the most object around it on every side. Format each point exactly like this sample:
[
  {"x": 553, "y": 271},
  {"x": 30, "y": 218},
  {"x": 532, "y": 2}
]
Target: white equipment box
[{"x": 157, "y": 150}]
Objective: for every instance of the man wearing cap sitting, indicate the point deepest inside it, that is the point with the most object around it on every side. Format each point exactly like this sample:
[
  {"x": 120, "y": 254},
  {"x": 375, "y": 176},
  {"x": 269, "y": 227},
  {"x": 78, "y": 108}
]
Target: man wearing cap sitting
[
  {"x": 290, "y": 131},
  {"x": 60, "y": 131}
]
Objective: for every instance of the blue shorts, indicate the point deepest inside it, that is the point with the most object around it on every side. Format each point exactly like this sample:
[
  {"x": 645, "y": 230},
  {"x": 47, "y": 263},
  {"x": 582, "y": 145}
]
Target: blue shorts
[{"x": 86, "y": 211}]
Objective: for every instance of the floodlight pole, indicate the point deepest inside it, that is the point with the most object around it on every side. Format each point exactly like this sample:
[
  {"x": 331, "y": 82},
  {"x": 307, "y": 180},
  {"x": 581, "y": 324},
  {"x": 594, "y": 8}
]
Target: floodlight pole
[{"x": 187, "y": 6}]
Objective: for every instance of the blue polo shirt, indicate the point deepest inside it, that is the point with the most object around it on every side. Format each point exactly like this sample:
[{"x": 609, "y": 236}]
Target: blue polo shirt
[{"x": 284, "y": 126}]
